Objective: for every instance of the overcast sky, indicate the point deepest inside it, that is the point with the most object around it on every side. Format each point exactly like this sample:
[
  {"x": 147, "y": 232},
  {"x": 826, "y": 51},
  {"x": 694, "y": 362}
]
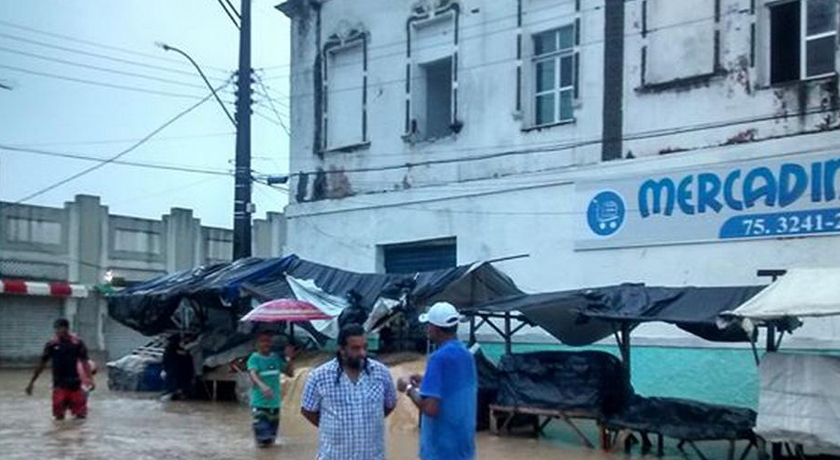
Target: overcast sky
[{"x": 63, "y": 116}]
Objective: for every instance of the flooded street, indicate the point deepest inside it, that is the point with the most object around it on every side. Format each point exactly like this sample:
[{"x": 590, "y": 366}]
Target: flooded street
[{"x": 143, "y": 428}]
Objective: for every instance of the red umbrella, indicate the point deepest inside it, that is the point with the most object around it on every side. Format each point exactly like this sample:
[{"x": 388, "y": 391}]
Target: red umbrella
[{"x": 285, "y": 310}]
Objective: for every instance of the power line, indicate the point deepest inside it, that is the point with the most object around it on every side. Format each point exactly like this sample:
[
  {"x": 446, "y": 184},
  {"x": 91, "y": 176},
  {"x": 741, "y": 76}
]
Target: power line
[
  {"x": 555, "y": 148},
  {"x": 117, "y": 141},
  {"x": 99, "y": 83},
  {"x": 102, "y": 56},
  {"x": 233, "y": 9},
  {"x": 413, "y": 205},
  {"x": 167, "y": 191},
  {"x": 271, "y": 102},
  {"x": 481, "y": 36},
  {"x": 97, "y": 45},
  {"x": 268, "y": 119},
  {"x": 122, "y": 153},
  {"x": 482, "y": 25},
  {"x": 75, "y": 156},
  {"x": 100, "y": 69},
  {"x": 229, "y": 14}
]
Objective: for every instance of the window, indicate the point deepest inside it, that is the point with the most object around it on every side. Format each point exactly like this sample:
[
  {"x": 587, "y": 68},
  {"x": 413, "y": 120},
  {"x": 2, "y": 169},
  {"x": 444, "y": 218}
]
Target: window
[
  {"x": 420, "y": 256},
  {"x": 137, "y": 241},
  {"x": 345, "y": 82},
  {"x": 555, "y": 76},
  {"x": 679, "y": 39},
  {"x": 26, "y": 230},
  {"x": 803, "y": 34},
  {"x": 431, "y": 109},
  {"x": 437, "y": 116}
]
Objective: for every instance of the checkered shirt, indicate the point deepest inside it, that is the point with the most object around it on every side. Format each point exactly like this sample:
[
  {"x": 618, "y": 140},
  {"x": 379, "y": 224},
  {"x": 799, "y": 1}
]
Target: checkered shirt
[{"x": 352, "y": 422}]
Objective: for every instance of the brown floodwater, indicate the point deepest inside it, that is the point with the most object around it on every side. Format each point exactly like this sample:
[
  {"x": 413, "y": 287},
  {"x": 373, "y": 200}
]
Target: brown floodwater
[{"x": 140, "y": 427}]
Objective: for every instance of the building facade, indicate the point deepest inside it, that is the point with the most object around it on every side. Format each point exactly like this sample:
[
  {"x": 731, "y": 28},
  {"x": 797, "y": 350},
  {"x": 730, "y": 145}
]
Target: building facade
[
  {"x": 676, "y": 143},
  {"x": 80, "y": 244}
]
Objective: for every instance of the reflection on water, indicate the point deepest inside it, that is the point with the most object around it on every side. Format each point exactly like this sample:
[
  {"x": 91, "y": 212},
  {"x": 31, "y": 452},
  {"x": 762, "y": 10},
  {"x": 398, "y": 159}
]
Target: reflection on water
[{"x": 142, "y": 428}]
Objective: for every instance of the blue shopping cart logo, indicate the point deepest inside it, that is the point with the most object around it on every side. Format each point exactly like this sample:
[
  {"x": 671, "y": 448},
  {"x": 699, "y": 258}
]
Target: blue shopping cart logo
[{"x": 606, "y": 213}]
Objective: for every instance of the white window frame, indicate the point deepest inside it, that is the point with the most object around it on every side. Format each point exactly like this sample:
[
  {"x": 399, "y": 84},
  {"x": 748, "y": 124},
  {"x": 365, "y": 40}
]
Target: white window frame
[
  {"x": 557, "y": 90},
  {"x": 805, "y": 38}
]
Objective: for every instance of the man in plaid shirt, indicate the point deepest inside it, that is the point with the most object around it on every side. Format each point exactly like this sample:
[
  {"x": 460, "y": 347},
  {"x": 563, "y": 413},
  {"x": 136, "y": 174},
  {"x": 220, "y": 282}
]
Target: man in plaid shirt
[{"x": 348, "y": 399}]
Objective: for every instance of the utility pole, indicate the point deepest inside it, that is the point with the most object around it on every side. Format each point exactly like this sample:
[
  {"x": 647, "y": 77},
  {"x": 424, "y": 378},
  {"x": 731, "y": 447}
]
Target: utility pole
[{"x": 242, "y": 206}]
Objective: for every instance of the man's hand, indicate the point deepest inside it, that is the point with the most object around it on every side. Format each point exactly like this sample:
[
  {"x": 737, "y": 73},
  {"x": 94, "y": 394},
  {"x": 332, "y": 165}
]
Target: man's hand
[
  {"x": 402, "y": 384},
  {"x": 291, "y": 352},
  {"x": 29, "y": 389},
  {"x": 416, "y": 380},
  {"x": 267, "y": 392},
  {"x": 92, "y": 386}
]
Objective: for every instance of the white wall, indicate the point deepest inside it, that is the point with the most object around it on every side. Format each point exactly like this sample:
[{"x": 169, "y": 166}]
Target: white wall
[
  {"x": 511, "y": 203},
  {"x": 521, "y": 216}
]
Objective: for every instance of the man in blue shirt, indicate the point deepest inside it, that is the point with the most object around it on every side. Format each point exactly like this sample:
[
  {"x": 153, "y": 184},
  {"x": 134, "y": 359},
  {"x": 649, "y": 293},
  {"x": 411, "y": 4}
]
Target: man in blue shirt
[{"x": 448, "y": 392}]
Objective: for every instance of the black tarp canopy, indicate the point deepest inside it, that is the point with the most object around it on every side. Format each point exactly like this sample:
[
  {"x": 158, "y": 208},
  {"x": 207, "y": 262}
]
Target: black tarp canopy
[
  {"x": 464, "y": 286},
  {"x": 585, "y": 316},
  {"x": 148, "y": 307}
]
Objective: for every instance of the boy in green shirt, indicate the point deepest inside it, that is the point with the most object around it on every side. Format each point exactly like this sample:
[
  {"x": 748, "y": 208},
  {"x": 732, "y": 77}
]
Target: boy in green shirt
[{"x": 264, "y": 368}]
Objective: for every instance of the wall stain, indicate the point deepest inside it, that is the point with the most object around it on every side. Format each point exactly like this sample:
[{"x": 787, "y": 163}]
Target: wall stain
[{"x": 742, "y": 137}]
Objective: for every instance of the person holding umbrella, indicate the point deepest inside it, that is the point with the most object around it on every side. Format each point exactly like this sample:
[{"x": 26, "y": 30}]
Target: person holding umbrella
[{"x": 264, "y": 368}]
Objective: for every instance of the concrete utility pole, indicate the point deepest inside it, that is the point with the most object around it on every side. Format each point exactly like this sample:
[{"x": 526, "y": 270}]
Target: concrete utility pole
[{"x": 242, "y": 206}]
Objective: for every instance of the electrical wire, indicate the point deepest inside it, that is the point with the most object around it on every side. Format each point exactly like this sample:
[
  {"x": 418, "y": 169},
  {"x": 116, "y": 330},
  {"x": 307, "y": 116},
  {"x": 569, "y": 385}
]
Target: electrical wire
[
  {"x": 558, "y": 147},
  {"x": 273, "y": 108},
  {"x": 104, "y": 56},
  {"x": 117, "y": 141},
  {"x": 483, "y": 34},
  {"x": 75, "y": 156},
  {"x": 229, "y": 14},
  {"x": 483, "y": 24},
  {"x": 100, "y": 45},
  {"x": 99, "y": 83},
  {"x": 120, "y": 154},
  {"x": 100, "y": 69}
]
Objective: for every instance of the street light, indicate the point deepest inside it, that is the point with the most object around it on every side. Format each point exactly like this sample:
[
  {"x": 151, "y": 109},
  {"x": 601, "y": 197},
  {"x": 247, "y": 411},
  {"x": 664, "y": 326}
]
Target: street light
[{"x": 166, "y": 47}]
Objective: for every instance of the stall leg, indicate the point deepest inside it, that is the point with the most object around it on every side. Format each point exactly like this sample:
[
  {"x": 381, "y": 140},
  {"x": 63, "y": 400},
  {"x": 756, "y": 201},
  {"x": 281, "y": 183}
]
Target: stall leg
[
  {"x": 697, "y": 450},
  {"x": 604, "y": 435},
  {"x": 508, "y": 338},
  {"x": 583, "y": 438}
]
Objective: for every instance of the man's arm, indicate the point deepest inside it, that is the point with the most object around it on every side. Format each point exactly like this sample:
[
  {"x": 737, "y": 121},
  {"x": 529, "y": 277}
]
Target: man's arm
[
  {"x": 256, "y": 380},
  {"x": 310, "y": 401},
  {"x": 42, "y": 364},
  {"x": 390, "y": 393},
  {"x": 289, "y": 370},
  {"x": 290, "y": 354},
  {"x": 83, "y": 356},
  {"x": 313, "y": 417},
  {"x": 428, "y": 406}
]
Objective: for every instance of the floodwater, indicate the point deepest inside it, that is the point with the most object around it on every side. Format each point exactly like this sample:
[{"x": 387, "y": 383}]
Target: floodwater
[{"x": 140, "y": 427}]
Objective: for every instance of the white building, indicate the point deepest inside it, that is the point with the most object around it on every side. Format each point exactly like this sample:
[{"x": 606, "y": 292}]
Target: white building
[{"x": 670, "y": 142}]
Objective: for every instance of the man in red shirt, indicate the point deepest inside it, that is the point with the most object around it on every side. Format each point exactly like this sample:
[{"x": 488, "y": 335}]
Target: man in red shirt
[{"x": 66, "y": 351}]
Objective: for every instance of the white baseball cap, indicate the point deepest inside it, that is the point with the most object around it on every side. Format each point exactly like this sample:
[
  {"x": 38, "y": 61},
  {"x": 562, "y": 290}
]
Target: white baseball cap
[{"x": 441, "y": 314}]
